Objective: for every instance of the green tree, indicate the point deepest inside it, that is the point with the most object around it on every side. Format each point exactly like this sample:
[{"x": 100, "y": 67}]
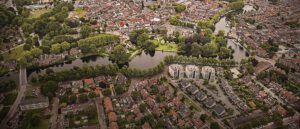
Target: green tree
[
  {"x": 179, "y": 8},
  {"x": 238, "y": 5},
  {"x": 55, "y": 48},
  {"x": 209, "y": 50},
  {"x": 27, "y": 28},
  {"x": 141, "y": 40},
  {"x": 119, "y": 89},
  {"x": 119, "y": 55},
  {"x": 72, "y": 99},
  {"x": 36, "y": 52},
  {"x": 196, "y": 49},
  {"x": 203, "y": 117},
  {"x": 85, "y": 31},
  {"x": 214, "y": 125},
  {"x": 35, "y": 120},
  {"x": 83, "y": 98},
  {"x": 65, "y": 46},
  {"x": 49, "y": 88},
  {"x": 224, "y": 53},
  {"x": 107, "y": 92},
  {"x": 92, "y": 95}
]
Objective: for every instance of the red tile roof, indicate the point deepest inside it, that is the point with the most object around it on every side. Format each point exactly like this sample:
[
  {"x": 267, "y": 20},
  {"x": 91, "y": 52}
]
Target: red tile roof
[
  {"x": 89, "y": 81},
  {"x": 146, "y": 125},
  {"x": 113, "y": 125},
  {"x": 112, "y": 117},
  {"x": 108, "y": 104}
]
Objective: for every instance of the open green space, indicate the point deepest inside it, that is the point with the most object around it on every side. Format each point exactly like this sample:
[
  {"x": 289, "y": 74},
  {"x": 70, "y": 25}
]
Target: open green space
[
  {"x": 37, "y": 13},
  {"x": 165, "y": 45},
  {"x": 44, "y": 124},
  {"x": 86, "y": 117},
  {"x": 35, "y": 119},
  {"x": 9, "y": 98},
  {"x": 14, "y": 54},
  {"x": 3, "y": 112},
  {"x": 80, "y": 12}
]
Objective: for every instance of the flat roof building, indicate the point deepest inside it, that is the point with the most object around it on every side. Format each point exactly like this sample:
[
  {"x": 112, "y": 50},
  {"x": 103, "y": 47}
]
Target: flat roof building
[
  {"x": 35, "y": 103},
  {"x": 176, "y": 71},
  {"x": 192, "y": 71},
  {"x": 208, "y": 73}
]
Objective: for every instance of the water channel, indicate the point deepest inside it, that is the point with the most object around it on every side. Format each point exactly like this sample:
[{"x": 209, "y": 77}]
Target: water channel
[
  {"x": 142, "y": 61},
  {"x": 239, "y": 51}
]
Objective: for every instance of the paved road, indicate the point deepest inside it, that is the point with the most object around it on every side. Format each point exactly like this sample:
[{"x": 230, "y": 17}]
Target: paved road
[
  {"x": 22, "y": 88},
  {"x": 100, "y": 112},
  {"x": 53, "y": 119}
]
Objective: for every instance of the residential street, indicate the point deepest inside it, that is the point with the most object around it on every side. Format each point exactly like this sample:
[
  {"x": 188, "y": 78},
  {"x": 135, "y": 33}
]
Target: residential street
[
  {"x": 53, "y": 120},
  {"x": 15, "y": 107},
  {"x": 100, "y": 112}
]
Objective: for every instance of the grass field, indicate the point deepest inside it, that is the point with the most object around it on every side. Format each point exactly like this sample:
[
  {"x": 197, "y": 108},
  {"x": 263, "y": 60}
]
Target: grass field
[
  {"x": 14, "y": 54},
  {"x": 165, "y": 46},
  {"x": 43, "y": 125},
  {"x": 38, "y": 13},
  {"x": 79, "y": 12}
]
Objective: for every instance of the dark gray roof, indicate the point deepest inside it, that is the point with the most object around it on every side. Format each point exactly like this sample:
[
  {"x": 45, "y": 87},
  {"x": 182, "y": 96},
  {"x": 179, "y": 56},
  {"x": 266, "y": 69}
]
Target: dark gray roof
[
  {"x": 184, "y": 83},
  {"x": 34, "y": 101},
  {"x": 209, "y": 102},
  {"x": 200, "y": 95},
  {"x": 192, "y": 88},
  {"x": 219, "y": 109}
]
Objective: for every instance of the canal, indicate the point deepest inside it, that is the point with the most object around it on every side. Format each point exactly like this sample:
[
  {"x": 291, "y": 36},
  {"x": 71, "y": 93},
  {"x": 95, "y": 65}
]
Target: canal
[
  {"x": 239, "y": 51},
  {"x": 142, "y": 61}
]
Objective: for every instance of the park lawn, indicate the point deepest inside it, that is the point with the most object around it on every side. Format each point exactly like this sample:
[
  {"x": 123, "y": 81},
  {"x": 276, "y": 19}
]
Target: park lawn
[
  {"x": 37, "y": 13},
  {"x": 14, "y": 54},
  {"x": 79, "y": 12},
  {"x": 165, "y": 46},
  {"x": 44, "y": 124},
  {"x": 134, "y": 53},
  {"x": 10, "y": 98},
  {"x": 3, "y": 112}
]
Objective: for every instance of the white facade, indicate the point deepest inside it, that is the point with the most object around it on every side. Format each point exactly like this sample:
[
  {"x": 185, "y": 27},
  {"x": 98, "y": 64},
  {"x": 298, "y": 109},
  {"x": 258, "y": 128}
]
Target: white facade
[
  {"x": 208, "y": 73},
  {"x": 176, "y": 71},
  {"x": 192, "y": 71},
  {"x": 36, "y": 103}
]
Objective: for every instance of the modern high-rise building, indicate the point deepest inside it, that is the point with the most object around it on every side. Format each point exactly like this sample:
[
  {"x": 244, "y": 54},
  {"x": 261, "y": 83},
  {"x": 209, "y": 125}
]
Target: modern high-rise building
[
  {"x": 176, "y": 71},
  {"x": 192, "y": 71},
  {"x": 208, "y": 73}
]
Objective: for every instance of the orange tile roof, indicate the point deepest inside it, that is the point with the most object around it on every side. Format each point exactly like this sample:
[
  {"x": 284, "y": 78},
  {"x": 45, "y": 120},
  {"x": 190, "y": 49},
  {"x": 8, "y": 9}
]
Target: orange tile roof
[
  {"x": 108, "y": 104},
  {"x": 112, "y": 117}
]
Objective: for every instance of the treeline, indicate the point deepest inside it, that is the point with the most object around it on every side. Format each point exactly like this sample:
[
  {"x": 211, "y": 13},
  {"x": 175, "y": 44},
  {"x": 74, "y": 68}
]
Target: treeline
[
  {"x": 90, "y": 71},
  {"x": 112, "y": 69},
  {"x": 199, "y": 61},
  {"x": 100, "y": 40},
  {"x": 7, "y": 86}
]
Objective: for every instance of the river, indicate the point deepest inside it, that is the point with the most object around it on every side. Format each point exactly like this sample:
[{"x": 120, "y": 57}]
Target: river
[
  {"x": 142, "y": 61},
  {"x": 239, "y": 51}
]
